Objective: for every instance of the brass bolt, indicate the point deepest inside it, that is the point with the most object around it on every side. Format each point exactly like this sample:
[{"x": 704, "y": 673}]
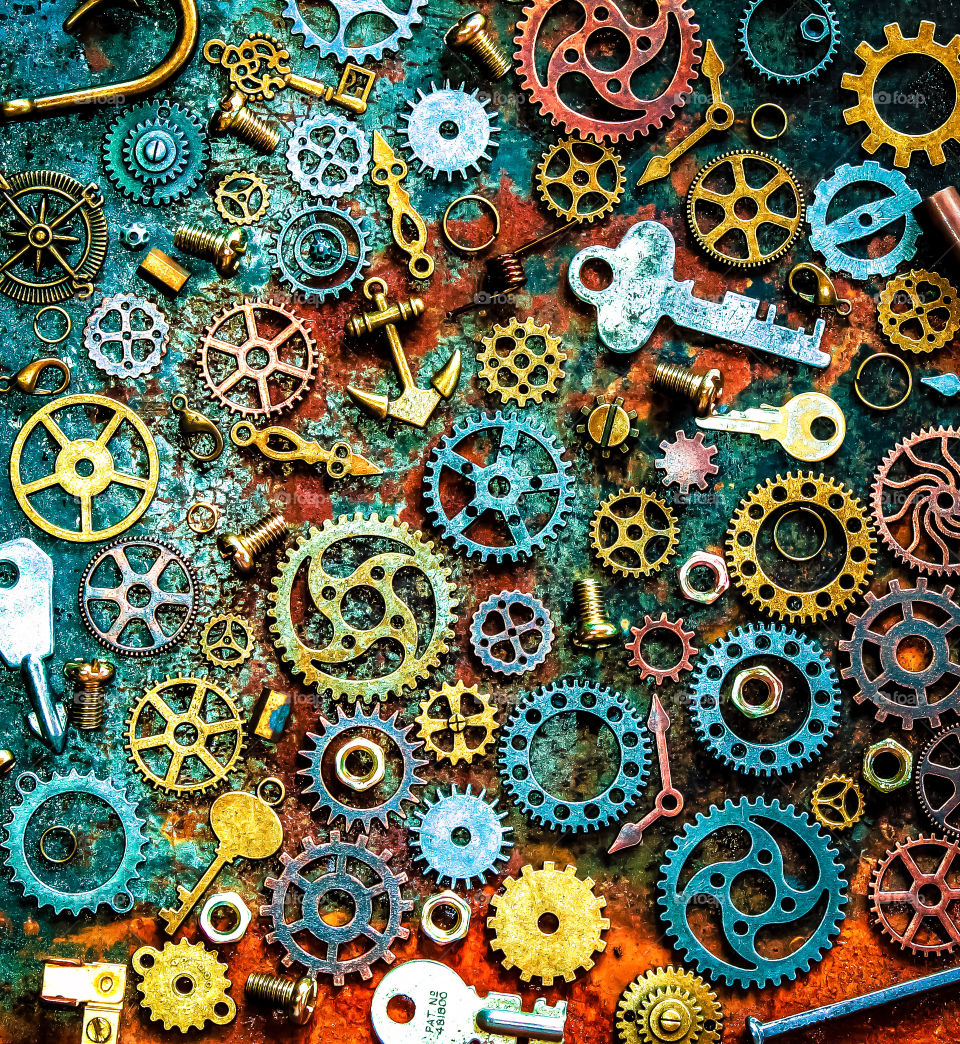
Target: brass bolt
[
  {"x": 244, "y": 547},
  {"x": 224, "y": 249},
  {"x": 296, "y": 998},
  {"x": 89, "y": 679},
  {"x": 233, "y": 117},
  {"x": 594, "y": 629},
  {"x": 702, "y": 388},
  {"x": 469, "y": 37}
]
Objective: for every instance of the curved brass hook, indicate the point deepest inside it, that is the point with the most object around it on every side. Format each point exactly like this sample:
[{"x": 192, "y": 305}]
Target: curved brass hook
[{"x": 181, "y": 51}]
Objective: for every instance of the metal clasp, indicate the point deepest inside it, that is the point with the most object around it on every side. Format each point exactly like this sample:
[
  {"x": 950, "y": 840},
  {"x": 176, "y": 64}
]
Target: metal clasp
[
  {"x": 825, "y": 294},
  {"x": 194, "y": 423},
  {"x": 28, "y": 379}
]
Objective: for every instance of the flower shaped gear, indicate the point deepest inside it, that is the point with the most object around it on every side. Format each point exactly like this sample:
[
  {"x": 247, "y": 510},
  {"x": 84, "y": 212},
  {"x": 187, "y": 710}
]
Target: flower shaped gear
[
  {"x": 837, "y": 802},
  {"x": 650, "y": 626},
  {"x": 521, "y": 362},
  {"x": 935, "y": 319},
  {"x": 449, "y": 131},
  {"x": 328, "y": 156},
  {"x": 321, "y": 251},
  {"x": 443, "y": 712},
  {"x": 669, "y": 1006},
  {"x": 511, "y": 633},
  {"x": 938, "y": 780},
  {"x": 227, "y": 641},
  {"x": 126, "y": 336},
  {"x": 580, "y": 181},
  {"x": 634, "y": 533},
  {"x": 686, "y": 463},
  {"x": 824, "y": 11},
  {"x": 791, "y": 903},
  {"x": 184, "y": 985},
  {"x": 351, "y": 17}
]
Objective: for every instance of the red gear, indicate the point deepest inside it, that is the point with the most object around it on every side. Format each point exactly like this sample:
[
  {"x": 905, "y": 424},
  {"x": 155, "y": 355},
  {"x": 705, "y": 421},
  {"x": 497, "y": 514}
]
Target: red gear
[
  {"x": 687, "y": 462},
  {"x": 647, "y": 670}
]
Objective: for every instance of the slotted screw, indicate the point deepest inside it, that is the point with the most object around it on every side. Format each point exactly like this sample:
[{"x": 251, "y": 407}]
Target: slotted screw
[
  {"x": 244, "y": 547},
  {"x": 224, "y": 250},
  {"x": 296, "y": 998},
  {"x": 701, "y": 387},
  {"x": 594, "y": 629},
  {"x": 469, "y": 37}
]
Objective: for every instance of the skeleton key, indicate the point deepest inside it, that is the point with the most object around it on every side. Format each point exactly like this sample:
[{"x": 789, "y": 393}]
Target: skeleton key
[
  {"x": 790, "y": 424},
  {"x": 246, "y": 828}
]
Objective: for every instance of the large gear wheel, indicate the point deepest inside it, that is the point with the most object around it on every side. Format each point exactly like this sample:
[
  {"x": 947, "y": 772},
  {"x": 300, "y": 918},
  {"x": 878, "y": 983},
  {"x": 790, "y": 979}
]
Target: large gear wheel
[
  {"x": 451, "y": 730},
  {"x": 634, "y": 533},
  {"x": 328, "y": 155},
  {"x": 837, "y": 802},
  {"x": 580, "y": 181},
  {"x": 938, "y": 780},
  {"x": 731, "y": 922},
  {"x": 919, "y": 311},
  {"x": 303, "y": 891},
  {"x": 511, "y": 633},
  {"x": 377, "y": 645},
  {"x": 104, "y": 878},
  {"x": 126, "y": 336},
  {"x": 352, "y": 18},
  {"x": 449, "y": 131},
  {"x": 822, "y": 588},
  {"x": 521, "y": 362},
  {"x": 669, "y": 1006},
  {"x": 321, "y": 252},
  {"x": 818, "y": 50},
  {"x": 518, "y": 913},
  {"x": 650, "y": 626},
  {"x": 612, "y": 110},
  {"x": 686, "y": 463},
  {"x": 184, "y": 985}
]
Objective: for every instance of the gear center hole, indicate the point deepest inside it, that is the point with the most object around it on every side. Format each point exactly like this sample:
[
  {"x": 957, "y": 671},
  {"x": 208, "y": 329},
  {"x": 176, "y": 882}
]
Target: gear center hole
[
  {"x": 138, "y": 596},
  {"x": 184, "y": 985},
  {"x": 84, "y": 467},
  {"x": 186, "y": 734},
  {"x": 661, "y": 648},
  {"x": 914, "y": 93},
  {"x": 340, "y": 907},
  {"x": 449, "y": 130},
  {"x": 257, "y": 358},
  {"x": 499, "y": 486},
  {"x": 930, "y": 895},
  {"x": 548, "y": 923},
  {"x": 460, "y": 837},
  {"x": 575, "y": 756},
  {"x": 914, "y": 653}
]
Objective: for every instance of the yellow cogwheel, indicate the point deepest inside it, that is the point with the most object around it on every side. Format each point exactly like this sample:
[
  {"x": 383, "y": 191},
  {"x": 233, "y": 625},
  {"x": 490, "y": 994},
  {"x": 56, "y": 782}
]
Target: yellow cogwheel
[
  {"x": 362, "y": 608},
  {"x": 521, "y": 362},
  {"x": 669, "y": 1006},
  {"x": 837, "y": 802},
  {"x": 184, "y": 985},
  {"x": 559, "y": 901},
  {"x": 634, "y": 533},
  {"x": 919, "y": 311},
  {"x": 580, "y": 180},
  {"x": 227, "y": 641},
  {"x": 242, "y": 198},
  {"x": 452, "y": 731},
  {"x": 813, "y": 588}
]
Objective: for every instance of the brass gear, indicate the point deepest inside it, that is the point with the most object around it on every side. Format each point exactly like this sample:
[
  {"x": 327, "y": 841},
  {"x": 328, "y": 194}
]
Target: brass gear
[
  {"x": 789, "y": 493},
  {"x": 203, "y": 729},
  {"x": 398, "y": 628},
  {"x": 533, "y": 358},
  {"x": 894, "y": 325},
  {"x": 521, "y": 941},
  {"x": 184, "y": 985},
  {"x": 669, "y": 1006},
  {"x": 456, "y": 723},
  {"x": 233, "y": 194},
  {"x": 864, "y": 85},
  {"x": 702, "y": 200},
  {"x": 567, "y": 183},
  {"x": 622, "y": 539},
  {"x": 837, "y": 802},
  {"x": 227, "y": 641}
]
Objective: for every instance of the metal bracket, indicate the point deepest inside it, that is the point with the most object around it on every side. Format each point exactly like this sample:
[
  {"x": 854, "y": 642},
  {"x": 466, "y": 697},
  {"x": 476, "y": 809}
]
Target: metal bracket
[{"x": 96, "y": 987}]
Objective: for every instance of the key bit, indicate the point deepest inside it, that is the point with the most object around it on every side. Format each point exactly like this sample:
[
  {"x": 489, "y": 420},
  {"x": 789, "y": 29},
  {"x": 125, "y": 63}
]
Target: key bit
[
  {"x": 947, "y": 384},
  {"x": 339, "y": 459}
]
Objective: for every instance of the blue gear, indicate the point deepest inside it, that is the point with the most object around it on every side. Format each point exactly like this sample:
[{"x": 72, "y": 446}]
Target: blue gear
[
  {"x": 115, "y": 891},
  {"x": 715, "y": 881},
  {"x": 516, "y": 743},
  {"x": 833, "y": 30},
  {"x": 500, "y": 607},
  {"x": 828, "y": 239},
  {"x": 349, "y": 11},
  {"x": 321, "y": 251},
  {"x": 500, "y": 486},
  {"x": 715, "y": 665},
  {"x": 437, "y": 848}
]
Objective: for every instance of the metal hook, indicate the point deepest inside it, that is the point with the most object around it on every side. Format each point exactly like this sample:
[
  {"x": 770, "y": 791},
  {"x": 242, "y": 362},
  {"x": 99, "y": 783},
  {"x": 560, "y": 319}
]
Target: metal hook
[
  {"x": 195, "y": 423},
  {"x": 181, "y": 51},
  {"x": 826, "y": 293},
  {"x": 27, "y": 379}
]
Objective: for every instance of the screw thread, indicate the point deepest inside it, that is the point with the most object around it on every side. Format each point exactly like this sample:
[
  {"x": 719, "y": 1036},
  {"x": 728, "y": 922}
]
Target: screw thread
[
  {"x": 197, "y": 241},
  {"x": 589, "y": 604},
  {"x": 86, "y": 711},
  {"x": 254, "y": 130},
  {"x": 489, "y": 56},
  {"x": 271, "y": 990},
  {"x": 264, "y": 534},
  {"x": 679, "y": 379}
]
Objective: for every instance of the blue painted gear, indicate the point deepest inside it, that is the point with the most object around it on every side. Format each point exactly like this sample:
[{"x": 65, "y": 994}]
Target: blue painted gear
[
  {"x": 832, "y": 25},
  {"x": 717, "y": 883},
  {"x": 349, "y": 11},
  {"x": 319, "y": 155},
  {"x": 115, "y": 890},
  {"x": 727, "y": 655},
  {"x": 321, "y": 251},
  {"x": 394, "y": 734},
  {"x": 592, "y": 701},
  {"x": 427, "y": 126},
  {"x": 498, "y": 629},
  {"x": 436, "y": 839},
  {"x": 865, "y": 220},
  {"x": 501, "y": 488}
]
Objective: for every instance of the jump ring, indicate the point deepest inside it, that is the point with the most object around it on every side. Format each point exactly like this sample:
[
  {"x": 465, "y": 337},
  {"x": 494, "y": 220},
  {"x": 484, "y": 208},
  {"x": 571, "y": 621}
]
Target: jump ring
[
  {"x": 59, "y": 311},
  {"x": 198, "y": 507},
  {"x": 71, "y": 852},
  {"x": 265, "y": 784},
  {"x": 774, "y": 108},
  {"x": 817, "y": 549},
  {"x": 883, "y": 356},
  {"x": 466, "y": 248}
]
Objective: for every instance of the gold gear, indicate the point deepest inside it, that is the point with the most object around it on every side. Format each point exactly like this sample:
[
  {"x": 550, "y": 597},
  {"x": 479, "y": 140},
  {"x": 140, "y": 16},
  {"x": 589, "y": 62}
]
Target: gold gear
[
  {"x": 227, "y": 641},
  {"x": 734, "y": 226},
  {"x": 669, "y": 1006},
  {"x": 531, "y": 351},
  {"x": 786, "y": 494},
  {"x": 456, "y": 722},
  {"x": 837, "y": 802},
  {"x": 946, "y": 305},
  {"x": 346, "y": 645},
  {"x": 565, "y": 183},
  {"x": 864, "y": 84},
  {"x": 204, "y": 730},
  {"x": 633, "y": 533},
  {"x": 184, "y": 985},
  {"x": 233, "y": 194},
  {"x": 94, "y": 453},
  {"x": 517, "y": 933}
]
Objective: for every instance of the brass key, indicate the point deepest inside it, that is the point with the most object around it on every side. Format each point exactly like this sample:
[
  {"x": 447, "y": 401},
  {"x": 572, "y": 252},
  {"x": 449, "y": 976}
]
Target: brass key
[{"x": 246, "y": 828}]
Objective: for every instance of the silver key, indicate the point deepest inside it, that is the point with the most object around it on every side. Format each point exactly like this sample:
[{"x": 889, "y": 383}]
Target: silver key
[{"x": 448, "y": 1011}]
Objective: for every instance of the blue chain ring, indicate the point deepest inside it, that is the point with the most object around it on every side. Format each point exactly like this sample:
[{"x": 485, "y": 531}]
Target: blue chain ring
[
  {"x": 833, "y": 28},
  {"x": 828, "y": 239},
  {"x": 511, "y": 631},
  {"x": 614, "y": 710},
  {"x": 348, "y": 12},
  {"x": 790, "y": 903},
  {"x": 499, "y": 487},
  {"x": 313, "y": 244},
  {"x": 435, "y": 838},
  {"x": 707, "y": 685},
  {"x": 353, "y": 814}
]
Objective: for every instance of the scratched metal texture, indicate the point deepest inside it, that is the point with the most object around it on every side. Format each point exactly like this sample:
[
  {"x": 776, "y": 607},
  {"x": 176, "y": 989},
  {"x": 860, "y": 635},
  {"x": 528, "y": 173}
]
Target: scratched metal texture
[{"x": 35, "y": 56}]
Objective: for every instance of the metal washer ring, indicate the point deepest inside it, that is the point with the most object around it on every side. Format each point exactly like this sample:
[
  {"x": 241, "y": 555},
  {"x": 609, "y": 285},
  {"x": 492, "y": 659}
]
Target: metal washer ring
[
  {"x": 466, "y": 248},
  {"x": 800, "y": 511},
  {"x": 60, "y": 311},
  {"x": 58, "y": 829},
  {"x": 201, "y": 506},
  {"x": 271, "y": 781},
  {"x": 885, "y": 356},
  {"x": 775, "y": 108}
]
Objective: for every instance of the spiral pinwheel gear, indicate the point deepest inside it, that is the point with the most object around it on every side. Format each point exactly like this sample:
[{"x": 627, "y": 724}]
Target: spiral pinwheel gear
[
  {"x": 321, "y": 870},
  {"x": 115, "y": 890},
  {"x": 227, "y": 641},
  {"x": 895, "y": 324},
  {"x": 521, "y": 634},
  {"x": 686, "y": 463},
  {"x": 739, "y": 928},
  {"x": 328, "y": 141},
  {"x": 837, "y": 802},
  {"x": 638, "y": 547},
  {"x": 521, "y": 362},
  {"x": 938, "y": 780},
  {"x": 425, "y": 131},
  {"x": 434, "y": 844},
  {"x": 525, "y": 946},
  {"x": 347, "y": 13},
  {"x": 321, "y": 251},
  {"x": 669, "y": 1006},
  {"x": 564, "y": 184},
  {"x": 457, "y": 722},
  {"x": 141, "y": 323},
  {"x": 184, "y": 985},
  {"x": 389, "y": 734},
  {"x": 824, "y": 11},
  {"x": 684, "y": 661}
]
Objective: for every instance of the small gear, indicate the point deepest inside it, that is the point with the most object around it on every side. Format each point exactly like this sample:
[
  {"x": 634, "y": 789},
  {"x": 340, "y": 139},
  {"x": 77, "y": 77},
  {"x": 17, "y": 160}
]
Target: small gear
[
  {"x": 126, "y": 336},
  {"x": 328, "y": 156},
  {"x": 521, "y": 941},
  {"x": 683, "y": 662},
  {"x": 449, "y": 131},
  {"x": 227, "y": 641},
  {"x": 608, "y": 426},
  {"x": 511, "y": 633},
  {"x": 321, "y": 251},
  {"x": 938, "y": 780},
  {"x": 521, "y": 362},
  {"x": 461, "y": 837},
  {"x": 449, "y": 728},
  {"x": 919, "y": 311},
  {"x": 686, "y": 463},
  {"x": 241, "y": 198},
  {"x": 837, "y": 802},
  {"x": 827, "y": 22},
  {"x": 352, "y": 18},
  {"x": 669, "y": 1006},
  {"x": 634, "y": 533},
  {"x": 184, "y": 985},
  {"x": 580, "y": 181}
]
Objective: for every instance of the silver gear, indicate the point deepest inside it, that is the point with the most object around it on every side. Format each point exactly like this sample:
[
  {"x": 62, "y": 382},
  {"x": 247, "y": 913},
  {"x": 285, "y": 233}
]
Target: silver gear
[
  {"x": 473, "y": 126},
  {"x": 321, "y": 251},
  {"x": 347, "y": 12},
  {"x": 324, "y": 144},
  {"x": 515, "y": 615},
  {"x": 151, "y": 330}
]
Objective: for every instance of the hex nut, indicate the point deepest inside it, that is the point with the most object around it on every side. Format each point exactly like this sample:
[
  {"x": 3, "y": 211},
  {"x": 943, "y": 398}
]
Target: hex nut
[
  {"x": 769, "y": 680},
  {"x": 365, "y": 780},
  {"x": 717, "y": 567},
  {"x": 887, "y": 784},
  {"x": 814, "y": 28},
  {"x": 435, "y": 932},
  {"x": 218, "y": 901}
]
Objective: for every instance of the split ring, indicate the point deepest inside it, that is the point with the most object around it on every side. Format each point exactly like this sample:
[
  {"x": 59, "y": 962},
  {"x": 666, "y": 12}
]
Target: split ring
[
  {"x": 266, "y": 784},
  {"x": 197, "y": 522},
  {"x": 800, "y": 511},
  {"x": 780, "y": 114},
  {"x": 58, "y": 831},
  {"x": 466, "y": 248},
  {"x": 59, "y": 311},
  {"x": 883, "y": 356}
]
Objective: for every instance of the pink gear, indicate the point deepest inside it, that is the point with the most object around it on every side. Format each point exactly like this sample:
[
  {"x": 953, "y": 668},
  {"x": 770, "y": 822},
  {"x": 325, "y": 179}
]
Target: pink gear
[
  {"x": 647, "y": 670},
  {"x": 687, "y": 463}
]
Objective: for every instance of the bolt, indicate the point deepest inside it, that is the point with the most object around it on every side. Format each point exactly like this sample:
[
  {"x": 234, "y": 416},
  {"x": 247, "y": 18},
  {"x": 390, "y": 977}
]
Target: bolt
[
  {"x": 89, "y": 679},
  {"x": 469, "y": 37},
  {"x": 224, "y": 249},
  {"x": 701, "y": 388},
  {"x": 296, "y": 998},
  {"x": 244, "y": 547},
  {"x": 99, "y": 1030},
  {"x": 594, "y": 629},
  {"x": 233, "y": 117}
]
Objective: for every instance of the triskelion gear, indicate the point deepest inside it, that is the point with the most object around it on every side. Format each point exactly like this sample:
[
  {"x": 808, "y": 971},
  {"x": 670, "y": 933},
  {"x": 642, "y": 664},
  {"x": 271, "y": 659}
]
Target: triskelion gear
[
  {"x": 895, "y": 202},
  {"x": 634, "y": 533},
  {"x": 788, "y": 901},
  {"x": 511, "y": 493},
  {"x": 580, "y": 181},
  {"x": 831, "y": 35},
  {"x": 524, "y": 945},
  {"x": 309, "y": 881},
  {"x": 573, "y": 700},
  {"x": 511, "y": 633},
  {"x": 184, "y": 985},
  {"x": 710, "y": 696},
  {"x": 837, "y": 802},
  {"x": 449, "y": 131},
  {"x": 897, "y": 684},
  {"x": 115, "y": 890},
  {"x": 521, "y": 362},
  {"x": 938, "y": 780},
  {"x": 686, "y": 463},
  {"x": 227, "y": 641},
  {"x": 379, "y": 555},
  {"x": 321, "y": 251},
  {"x": 390, "y": 734},
  {"x": 684, "y": 661},
  {"x": 328, "y": 156},
  {"x": 669, "y": 1006},
  {"x": 443, "y": 714},
  {"x": 757, "y": 577},
  {"x": 126, "y": 335},
  {"x": 345, "y": 44},
  {"x": 461, "y": 837},
  {"x": 864, "y": 85},
  {"x": 906, "y": 305},
  {"x": 242, "y": 198},
  {"x": 156, "y": 152}
]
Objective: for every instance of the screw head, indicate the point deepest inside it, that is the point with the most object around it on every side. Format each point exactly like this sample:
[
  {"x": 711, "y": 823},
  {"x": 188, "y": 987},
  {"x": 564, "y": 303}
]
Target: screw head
[
  {"x": 711, "y": 387},
  {"x": 464, "y": 32},
  {"x": 234, "y": 547},
  {"x": 304, "y": 1001},
  {"x": 98, "y": 1030}
]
